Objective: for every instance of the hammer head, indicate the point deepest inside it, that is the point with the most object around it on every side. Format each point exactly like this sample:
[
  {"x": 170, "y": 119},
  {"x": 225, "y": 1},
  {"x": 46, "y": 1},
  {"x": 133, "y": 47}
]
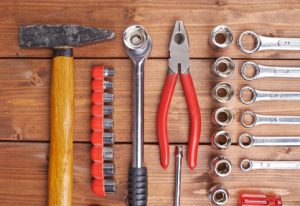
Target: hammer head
[{"x": 55, "y": 36}]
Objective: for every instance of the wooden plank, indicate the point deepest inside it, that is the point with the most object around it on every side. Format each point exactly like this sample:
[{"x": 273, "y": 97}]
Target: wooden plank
[
  {"x": 272, "y": 17},
  {"x": 23, "y": 169},
  {"x": 24, "y": 110}
]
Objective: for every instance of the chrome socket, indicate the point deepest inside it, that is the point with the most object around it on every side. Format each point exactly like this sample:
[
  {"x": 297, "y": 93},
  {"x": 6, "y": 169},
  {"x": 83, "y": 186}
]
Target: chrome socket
[
  {"x": 223, "y": 67},
  {"x": 218, "y": 195},
  {"x": 222, "y": 92},
  {"x": 221, "y": 140},
  {"x": 110, "y": 186},
  {"x": 221, "y": 166},
  {"x": 222, "y": 117},
  {"x": 221, "y": 37}
]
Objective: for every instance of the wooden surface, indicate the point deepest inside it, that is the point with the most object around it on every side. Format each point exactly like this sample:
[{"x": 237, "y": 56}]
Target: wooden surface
[{"x": 25, "y": 86}]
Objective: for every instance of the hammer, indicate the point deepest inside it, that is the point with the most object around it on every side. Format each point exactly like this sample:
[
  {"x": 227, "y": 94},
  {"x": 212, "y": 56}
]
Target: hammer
[{"x": 61, "y": 38}]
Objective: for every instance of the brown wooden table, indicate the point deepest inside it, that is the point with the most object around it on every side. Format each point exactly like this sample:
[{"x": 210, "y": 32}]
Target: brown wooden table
[{"x": 24, "y": 97}]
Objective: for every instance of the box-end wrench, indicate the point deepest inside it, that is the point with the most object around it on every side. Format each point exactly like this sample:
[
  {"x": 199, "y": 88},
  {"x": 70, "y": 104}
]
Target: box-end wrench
[
  {"x": 259, "y": 95},
  {"x": 246, "y": 141},
  {"x": 257, "y": 119},
  {"x": 261, "y": 71},
  {"x": 248, "y": 165},
  {"x": 138, "y": 45},
  {"x": 268, "y": 43}
]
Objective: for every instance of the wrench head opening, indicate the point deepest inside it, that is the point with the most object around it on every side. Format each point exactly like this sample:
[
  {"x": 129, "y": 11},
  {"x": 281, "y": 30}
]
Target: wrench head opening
[
  {"x": 246, "y": 69},
  {"x": 256, "y": 38},
  {"x": 249, "y": 119},
  {"x": 246, "y": 165},
  {"x": 246, "y": 140},
  {"x": 248, "y": 95}
]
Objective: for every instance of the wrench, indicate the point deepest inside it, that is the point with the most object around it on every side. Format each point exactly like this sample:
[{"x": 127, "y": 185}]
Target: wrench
[
  {"x": 262, "y": 71},
  {"x": 259, "y": 95},
  {"x": 268, "y": 43},
  {"x": 246, "y": 141},
  {"x": 258, "y": 119},
  {"x": 248, "y": 165},
  {"x": 138, "y": 45}
]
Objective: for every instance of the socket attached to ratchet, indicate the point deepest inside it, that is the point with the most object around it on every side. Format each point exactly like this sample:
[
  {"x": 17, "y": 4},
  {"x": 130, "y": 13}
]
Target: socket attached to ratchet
[
  {"x": 268, "y": 43},
  {"x": 251, "y": 71},
  {"x": 250, "y": 119},
  {"x": 138, "y": 45},
  {"x": 249, "y": 95},
  {"x": 248, "y": 165},
  {"x": 247, "y": 141}
]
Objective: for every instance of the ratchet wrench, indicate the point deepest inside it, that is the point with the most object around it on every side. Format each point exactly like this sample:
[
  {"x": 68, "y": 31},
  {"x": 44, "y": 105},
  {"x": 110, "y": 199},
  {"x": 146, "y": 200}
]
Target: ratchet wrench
[
  {"x": 262, "y": 71},
  {"x": 259, "y": 95},
  {"x": 246, "y": 141},
  {"x": 138, "y": 45},
  {"x": 268, "y": 43},
  {"x": 248, "y": 165},
  {"x": 257, "y": 119}
]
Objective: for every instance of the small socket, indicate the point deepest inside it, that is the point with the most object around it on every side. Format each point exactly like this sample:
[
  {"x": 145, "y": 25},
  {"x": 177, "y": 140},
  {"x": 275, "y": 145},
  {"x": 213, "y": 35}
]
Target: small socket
[
  {"x": 110, "y": 186},
  {"x": 222, "y": 117},
  {"x": 108, "y": 123},
  {"x": 222, "y": 92},
  {"x": 108, "y": 153},
  {"x": 221, "y": 140},
  {"x": 218, "y": 195},
  {"x": 108, "y": 97},
  {"x": 221, "y": 166},
  {"x": 223, "y": 67},
  {"x": 221, "y": 37},
  {"x": 109, "y": 72}
]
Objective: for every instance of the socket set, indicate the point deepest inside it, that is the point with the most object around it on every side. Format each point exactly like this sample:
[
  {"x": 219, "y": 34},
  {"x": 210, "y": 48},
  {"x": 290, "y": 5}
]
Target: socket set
[{"x": 102, "y": 137}]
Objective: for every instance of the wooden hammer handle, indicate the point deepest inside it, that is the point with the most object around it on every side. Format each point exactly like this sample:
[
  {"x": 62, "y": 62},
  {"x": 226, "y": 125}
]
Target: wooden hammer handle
[{"x": 60, "y": 174}]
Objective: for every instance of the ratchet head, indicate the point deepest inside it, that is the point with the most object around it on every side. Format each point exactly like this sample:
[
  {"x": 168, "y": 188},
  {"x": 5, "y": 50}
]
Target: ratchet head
[
  {"x": 137, "y": 42},
  {"x": 179, "y": 50}
]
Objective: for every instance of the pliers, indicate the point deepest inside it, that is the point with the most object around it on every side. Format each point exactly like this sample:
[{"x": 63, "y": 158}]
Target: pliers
[{"x": 179, "y": 64}]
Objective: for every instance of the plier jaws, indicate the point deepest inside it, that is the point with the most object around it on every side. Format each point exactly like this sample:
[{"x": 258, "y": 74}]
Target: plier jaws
[
  {"x": 179, "y": 66},
  {"x": 179, "y": 50}
]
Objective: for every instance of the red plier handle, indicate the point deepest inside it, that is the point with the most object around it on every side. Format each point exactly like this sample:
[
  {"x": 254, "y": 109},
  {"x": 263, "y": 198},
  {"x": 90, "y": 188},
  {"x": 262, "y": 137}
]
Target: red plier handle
[{"x": 195, "y": 118}]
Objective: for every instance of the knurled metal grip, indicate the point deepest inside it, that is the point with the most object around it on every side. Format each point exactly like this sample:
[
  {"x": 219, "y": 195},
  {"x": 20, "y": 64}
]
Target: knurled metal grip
[{"x": 138, "y": 187}]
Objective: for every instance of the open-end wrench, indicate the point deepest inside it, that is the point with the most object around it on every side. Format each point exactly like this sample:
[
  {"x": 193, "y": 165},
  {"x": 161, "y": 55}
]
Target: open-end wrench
[
  {"x": 257, "y": 119},
  {"x": 246, "y": 141},
  {"x": 138, "y": 45},
  {"x": 248, "y": 165},
  {"x": 262, "y": 71},
  {"x": 259, "y": 95},
  {"x": 268, "y": 43}
]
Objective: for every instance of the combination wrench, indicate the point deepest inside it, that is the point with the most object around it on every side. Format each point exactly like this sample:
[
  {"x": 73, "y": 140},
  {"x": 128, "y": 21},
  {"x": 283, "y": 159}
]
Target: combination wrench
[
  {"x": 248, "y": 165},
  {"x": 268, "y": 43},
  {"x": 261, "y": 71},
  {"x": 247, "y": 141},
  {"x": 259, "y": 95},
  {"x": 257, "y": 119}
]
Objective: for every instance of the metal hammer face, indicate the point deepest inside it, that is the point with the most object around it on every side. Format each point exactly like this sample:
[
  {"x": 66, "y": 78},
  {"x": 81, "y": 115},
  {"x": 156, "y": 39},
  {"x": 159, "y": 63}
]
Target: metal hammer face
[{"x": 55, "y": 36}]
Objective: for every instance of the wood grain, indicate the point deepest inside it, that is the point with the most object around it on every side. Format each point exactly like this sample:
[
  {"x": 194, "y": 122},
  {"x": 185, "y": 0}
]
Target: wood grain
[
  {"x": 272, "y": 18},
  {"x": 25, "y": 88},
  {"x": 23, "y": 170}
]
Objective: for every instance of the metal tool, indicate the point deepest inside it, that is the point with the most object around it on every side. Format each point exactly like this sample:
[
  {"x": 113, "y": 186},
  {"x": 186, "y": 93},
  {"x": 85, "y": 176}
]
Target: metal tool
[
  {"x": 268, "y": 43},
  {"x": 61, "y": 38},
  {"x": 259, "y": 95},
  {"x": 223, "y": 67},
  {"x": 222, "y": 92},
  {"x": 100, "y": 169},
  {"x": 221, "y": 166},
  {"x": 222, "y": 117},
  {"x": 100, "y": 138},
  {"x": 221, "y": 37},
  {"x": 257, "y": 119},
  {"x": 179, "y": 64},
  {"x": 248, "y": 165},
  {"x": 218, "y": 195},
  {"x": 246, "y": 141},
  {"x": 110, "y": 186},
  {"x": 138, "y": 45},
  {"x": 261, "y": 71},
  {"x": 178, "y": 165},
  {"x": 220, "y": 140}
]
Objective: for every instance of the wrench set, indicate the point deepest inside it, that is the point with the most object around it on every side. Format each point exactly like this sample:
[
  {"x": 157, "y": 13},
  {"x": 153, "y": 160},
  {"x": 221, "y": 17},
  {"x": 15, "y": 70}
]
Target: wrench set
[{"x": 222, "y": 117}]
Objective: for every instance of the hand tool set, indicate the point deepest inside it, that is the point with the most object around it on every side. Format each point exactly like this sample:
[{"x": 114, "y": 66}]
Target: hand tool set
[{"x": 102, "y": 137}]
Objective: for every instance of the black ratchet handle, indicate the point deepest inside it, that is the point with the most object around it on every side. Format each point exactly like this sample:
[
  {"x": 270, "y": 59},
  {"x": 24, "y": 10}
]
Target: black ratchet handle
[{"x": 138, "y": 186}]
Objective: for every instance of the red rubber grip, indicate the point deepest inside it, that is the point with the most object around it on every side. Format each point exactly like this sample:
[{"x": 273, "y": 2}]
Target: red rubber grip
[
  {"x": 98, "y": 187},
  {"x": 162, "y": 119},
  {"x": 97, "y": 110},
  {"x": 97, "y": 170},
  {"x": 97, "y": 124},
  {"x": 96, "y": 153},
  {"x": 97, "y": 85},
  {"x": 97, "y": 138},
  {"x": 195, "y": 118},
  {"x": 97, "y": 98},
  {"x": 97, "y": 72}
]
